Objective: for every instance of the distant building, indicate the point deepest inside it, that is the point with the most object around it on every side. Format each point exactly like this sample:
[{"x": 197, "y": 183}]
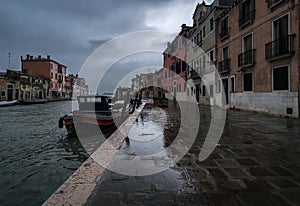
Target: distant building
[
  {"x": 258, "y": 55},
  {"x": 15, "y": 85},
  {"x": 70, "y": 80},
  {"x": 80, "y": 88},
  {"x": 121, "y": 92},
  {"x": 47, "y": 68}
]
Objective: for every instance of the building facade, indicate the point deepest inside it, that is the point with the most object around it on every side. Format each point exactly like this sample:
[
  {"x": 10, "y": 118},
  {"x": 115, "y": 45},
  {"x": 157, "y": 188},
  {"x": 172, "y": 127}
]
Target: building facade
[
  {"x": 47, "y": 68},
  {"x": 201, "y": 52},
  {"x": 258, "y": 45},
  {"x": 15, "y": 85},
  {"x": 174, "y": 63}
]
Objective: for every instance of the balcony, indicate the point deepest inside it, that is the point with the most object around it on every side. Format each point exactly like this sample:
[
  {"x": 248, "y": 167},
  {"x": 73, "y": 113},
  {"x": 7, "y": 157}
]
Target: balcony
[
  {"x": 246, "y": 59},
  {"x": 274, "y": 3},
  {"x": 247, "y": 18},
  {"x": 280, "y": 48},
  {"x": 224, "y": 66},
  {"x": 194, "y": 74}
]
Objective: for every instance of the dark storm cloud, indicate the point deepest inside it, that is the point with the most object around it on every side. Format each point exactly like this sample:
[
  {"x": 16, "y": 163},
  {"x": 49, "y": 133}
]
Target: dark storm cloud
[
  {"x": 95, "y": 43},
  {"x": 68, "y": 30}
]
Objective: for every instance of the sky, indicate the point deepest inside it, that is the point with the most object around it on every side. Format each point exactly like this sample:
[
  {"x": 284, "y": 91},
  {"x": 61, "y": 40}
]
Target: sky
[{"x": 70, "y": 30}]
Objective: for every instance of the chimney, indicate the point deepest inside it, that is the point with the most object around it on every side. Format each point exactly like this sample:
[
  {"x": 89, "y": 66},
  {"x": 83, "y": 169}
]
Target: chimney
[
  {"x": 27, "y": 56},
  {"x": 48, "y": 57},
  {"x": 39, "y": 57},
  {"x": 168, "y": 44}
]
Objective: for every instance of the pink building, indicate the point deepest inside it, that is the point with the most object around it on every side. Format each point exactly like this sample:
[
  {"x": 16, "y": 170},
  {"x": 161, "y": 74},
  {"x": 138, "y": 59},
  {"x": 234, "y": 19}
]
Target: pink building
[
  {"x": 48, "y": 68},
  {"x": 174, "y": 62}
]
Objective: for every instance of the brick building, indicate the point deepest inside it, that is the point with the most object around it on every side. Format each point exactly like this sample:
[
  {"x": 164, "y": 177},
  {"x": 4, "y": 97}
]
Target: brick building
[
  {"x": 48, "y": 68},
  {"x": 175, "y": 63},
  {"x": 258, "y": 55}
]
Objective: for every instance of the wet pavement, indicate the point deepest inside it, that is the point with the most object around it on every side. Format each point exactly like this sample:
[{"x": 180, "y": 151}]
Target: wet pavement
[{"x": 255, "y": 163}]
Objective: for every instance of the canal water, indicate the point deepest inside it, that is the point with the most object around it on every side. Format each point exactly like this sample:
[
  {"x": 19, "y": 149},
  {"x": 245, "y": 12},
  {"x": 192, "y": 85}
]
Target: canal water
[{"x": 36, "y": 157}]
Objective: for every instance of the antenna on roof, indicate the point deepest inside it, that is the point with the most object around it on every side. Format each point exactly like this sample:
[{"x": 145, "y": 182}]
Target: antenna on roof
[{"x": 9, "y": 55}]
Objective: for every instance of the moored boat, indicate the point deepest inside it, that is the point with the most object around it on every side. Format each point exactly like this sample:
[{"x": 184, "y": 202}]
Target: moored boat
[
  {"x": 7, "y": 103},
  {"x": 95, "y": 110},
  {"x": 34, "y": 101}
]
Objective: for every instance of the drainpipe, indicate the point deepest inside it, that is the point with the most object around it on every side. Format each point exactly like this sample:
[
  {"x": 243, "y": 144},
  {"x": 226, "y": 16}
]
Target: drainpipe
[{"x": 299, "y": 101}]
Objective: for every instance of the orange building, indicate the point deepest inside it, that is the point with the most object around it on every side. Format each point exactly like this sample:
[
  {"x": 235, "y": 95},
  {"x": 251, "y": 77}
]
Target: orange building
[{"x": 48, "y": 68}]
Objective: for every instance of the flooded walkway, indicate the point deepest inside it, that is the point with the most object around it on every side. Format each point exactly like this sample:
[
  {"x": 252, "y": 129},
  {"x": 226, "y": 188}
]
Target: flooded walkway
[{"x": 255, "y": 163}]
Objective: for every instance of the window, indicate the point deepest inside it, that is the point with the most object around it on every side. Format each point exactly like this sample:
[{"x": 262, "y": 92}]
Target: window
[
  {"x": 283, "y": 41},
  {"x": 281, "y": 78},
  {"x": 212, "y": 56},
  {"x": 55, "y": 76},
  {"x": 3, "y": 93},
  {"x": 198, "y": 39},
  {"x": 203, "y": 91},
  {"x": 225, "y": 53},
  {"x": 246, "y": 58},
  {"x": 248, "y": 82},
  {"x": 225, "y": 63},
  {"x": 211, "y": 90},
  {"x": 280, "y": 31},
  {"x": 198, "y": 64},
  {"x": 211, "y": 24},
  {"x": 224, "y": 28},
  {"x": 247, "y": 43},
  {"x": 51, "y": 75},
  {"x": 204, "y": 31},
  {"x": 246, "y": 12},
  {"x": 232, "y": 84}
]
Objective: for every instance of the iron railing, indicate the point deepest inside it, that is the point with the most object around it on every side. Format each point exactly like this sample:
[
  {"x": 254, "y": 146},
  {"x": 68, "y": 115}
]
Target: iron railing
[
  {"x": 246, "y": 58},
  {"x": 224, "y": 65},
  {"x": 280, "y": 47}
]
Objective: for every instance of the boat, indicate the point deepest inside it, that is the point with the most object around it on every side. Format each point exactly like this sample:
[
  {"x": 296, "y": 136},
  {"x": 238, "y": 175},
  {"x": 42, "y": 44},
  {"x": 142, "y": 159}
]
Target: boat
[
  {"x": 7, "y": 103},
  {"x": 95, "y": 110},
  {"x": 34, "y": 101}
]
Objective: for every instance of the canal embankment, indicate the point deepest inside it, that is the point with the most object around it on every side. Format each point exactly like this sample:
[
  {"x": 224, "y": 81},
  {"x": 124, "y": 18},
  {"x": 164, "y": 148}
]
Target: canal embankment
[{"x": 77, "y": 189}]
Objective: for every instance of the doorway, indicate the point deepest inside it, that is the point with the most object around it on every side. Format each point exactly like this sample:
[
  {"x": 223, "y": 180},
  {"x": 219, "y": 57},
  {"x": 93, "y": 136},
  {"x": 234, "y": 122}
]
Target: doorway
[
  {"x": 10, "y": 92},
  {"x": 225, "y": 85}
]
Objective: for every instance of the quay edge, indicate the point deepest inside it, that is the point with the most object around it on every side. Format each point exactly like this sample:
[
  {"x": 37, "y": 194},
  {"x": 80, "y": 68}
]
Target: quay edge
[{"x": 78, "y": 187}]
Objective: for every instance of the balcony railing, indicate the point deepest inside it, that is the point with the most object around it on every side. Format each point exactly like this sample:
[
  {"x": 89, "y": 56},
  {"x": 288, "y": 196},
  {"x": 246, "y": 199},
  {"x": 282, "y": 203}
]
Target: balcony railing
[
  {"x": 247, "y": 18},
  {"x": 274, "y": 3},
  {"x": 224, "y": 66},
  {"x": 247, "y": 58},
  {"x": 194, "y": 74},
  {"x": 280, "y": 47}
]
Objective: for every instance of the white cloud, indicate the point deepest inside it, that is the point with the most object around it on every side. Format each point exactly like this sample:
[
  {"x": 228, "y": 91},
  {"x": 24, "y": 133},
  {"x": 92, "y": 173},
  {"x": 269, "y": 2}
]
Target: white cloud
[{"x": 169, "y": 19}]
